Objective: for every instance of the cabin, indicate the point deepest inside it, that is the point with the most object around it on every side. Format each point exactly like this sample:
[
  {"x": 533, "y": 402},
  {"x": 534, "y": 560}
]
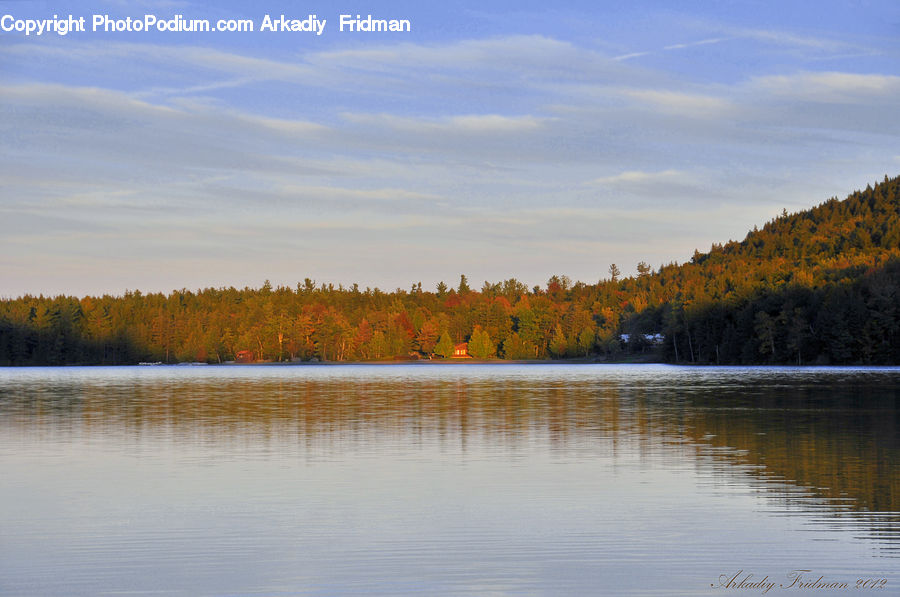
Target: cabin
[
  {"x": 244, "y": 356},
  {"x": 461, "y": 351}
]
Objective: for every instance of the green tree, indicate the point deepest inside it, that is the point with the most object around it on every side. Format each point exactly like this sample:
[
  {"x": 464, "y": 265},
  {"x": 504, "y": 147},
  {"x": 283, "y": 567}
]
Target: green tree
[
  {"x": 585, "y": 343},
  {"x": 614, "y": 272},
  {"x": 514, "y": 347},
  {"x": 445, "y": 346},
  {"x": 463, "y": 285},
  {"x": 643, "y": 269},
  {"x": 481, "y": 346}
]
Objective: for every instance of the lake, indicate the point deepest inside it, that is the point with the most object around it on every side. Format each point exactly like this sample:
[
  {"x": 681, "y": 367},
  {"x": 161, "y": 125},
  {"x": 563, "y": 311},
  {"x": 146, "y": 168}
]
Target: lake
[{"x": 428, "y": 479}]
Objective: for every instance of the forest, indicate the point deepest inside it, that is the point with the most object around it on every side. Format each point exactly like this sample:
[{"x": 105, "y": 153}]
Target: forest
[{"x": 817, "y": 287}]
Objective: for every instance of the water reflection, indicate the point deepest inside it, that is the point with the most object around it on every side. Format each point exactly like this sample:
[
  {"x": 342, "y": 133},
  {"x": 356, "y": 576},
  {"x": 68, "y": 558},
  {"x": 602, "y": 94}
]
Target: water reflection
[
  {"x": 822, "y": 445},
  {"x": 833, "y": 431}
]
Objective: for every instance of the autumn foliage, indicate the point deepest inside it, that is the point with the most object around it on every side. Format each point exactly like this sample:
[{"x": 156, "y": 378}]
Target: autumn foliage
[{"x": 817, "y": 287}]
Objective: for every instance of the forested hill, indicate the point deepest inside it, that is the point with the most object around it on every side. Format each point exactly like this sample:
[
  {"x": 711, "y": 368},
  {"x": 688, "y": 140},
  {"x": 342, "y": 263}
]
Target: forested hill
[
  {"x": 831, "y": 235},
  {"x": 817, "y": 287}
]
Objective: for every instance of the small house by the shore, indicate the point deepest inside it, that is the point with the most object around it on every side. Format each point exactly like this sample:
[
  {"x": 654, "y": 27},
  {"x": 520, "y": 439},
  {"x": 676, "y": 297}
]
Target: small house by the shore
[
  {"x": 244, "y": 356},
  {"x": 461, "y": 351}
]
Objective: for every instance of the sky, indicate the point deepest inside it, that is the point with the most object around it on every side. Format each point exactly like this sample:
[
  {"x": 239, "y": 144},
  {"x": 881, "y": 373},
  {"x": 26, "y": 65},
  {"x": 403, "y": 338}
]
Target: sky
[{"x": 495, "y": 139}]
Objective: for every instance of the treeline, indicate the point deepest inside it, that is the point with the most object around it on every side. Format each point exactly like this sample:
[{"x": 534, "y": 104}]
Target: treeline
[
  {"x": 330, "y": 324},
  {"x": 817, "y": 287}
]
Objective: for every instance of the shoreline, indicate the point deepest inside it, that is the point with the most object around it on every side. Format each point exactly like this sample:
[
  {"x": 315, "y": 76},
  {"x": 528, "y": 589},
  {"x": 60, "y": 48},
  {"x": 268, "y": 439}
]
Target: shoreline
[{"x": 453, "y": 363}]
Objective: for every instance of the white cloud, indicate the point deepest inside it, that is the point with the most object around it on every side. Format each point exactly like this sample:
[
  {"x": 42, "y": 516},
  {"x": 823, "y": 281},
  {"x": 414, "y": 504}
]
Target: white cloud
[
  {"x": 632, "y": 177},
  {"x": 332, "y": 192},
  {"x": 631, "y": 55},
  {"x": 786, "y": 38},
  {"x": 702, "y": 42},
  {"x": 837, "y": 87},
  {"x": 69, "y": 123},
  {"x": 97, "y": 99},
  {"x": 476, "y": 124},
  {"x": 314, "y": 153},
  {"x": 681, "y": 103},
  {"x": 147, "y": 57},
  {"x": 517, "y": 51}
]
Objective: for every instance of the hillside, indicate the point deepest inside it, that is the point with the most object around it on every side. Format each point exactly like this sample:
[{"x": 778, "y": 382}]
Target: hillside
[{"x": 819, "y": 286}]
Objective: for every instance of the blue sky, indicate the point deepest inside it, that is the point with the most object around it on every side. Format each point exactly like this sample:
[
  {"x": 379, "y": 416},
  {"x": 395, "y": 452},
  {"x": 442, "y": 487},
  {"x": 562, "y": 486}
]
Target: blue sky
[{"x": 495, "y": 139}]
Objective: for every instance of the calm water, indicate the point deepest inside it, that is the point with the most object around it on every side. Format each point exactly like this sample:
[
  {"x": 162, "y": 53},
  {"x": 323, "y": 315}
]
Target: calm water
[{"x": 447, "y": 480}]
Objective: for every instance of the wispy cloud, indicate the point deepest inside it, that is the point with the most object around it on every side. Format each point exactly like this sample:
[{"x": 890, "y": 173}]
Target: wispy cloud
[
  {"x": 102, "y": 100},
  {"x": 831, "y": 86},
  {"x": 333, "y": 192},
  {"x": 474, "y": 124},
  {"x": 511, "y": 51},
  {"x": 682, "y": 103},
  {"x": 631, "y": 177},
  {"x": 631, "y": 55},
  {"x": 702, "y": 42},
  {"x": 810, "y": 47},
  {"x": 789, "y": 39},
  {"x": 508, "y": 142}
]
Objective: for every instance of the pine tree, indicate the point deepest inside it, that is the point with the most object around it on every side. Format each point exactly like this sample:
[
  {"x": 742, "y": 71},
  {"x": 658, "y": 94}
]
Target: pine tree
[
  {"x": 463, "y": 285},
  {"x": 445, "y": 346},
  {"x": 481, "y": 346}
]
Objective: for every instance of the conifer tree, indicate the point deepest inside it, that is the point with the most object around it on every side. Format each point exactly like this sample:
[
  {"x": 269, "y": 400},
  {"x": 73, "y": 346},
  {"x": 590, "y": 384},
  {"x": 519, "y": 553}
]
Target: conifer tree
[
  {"x": 481, "y": 346},
  {"x": 445, "y": 346}
]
